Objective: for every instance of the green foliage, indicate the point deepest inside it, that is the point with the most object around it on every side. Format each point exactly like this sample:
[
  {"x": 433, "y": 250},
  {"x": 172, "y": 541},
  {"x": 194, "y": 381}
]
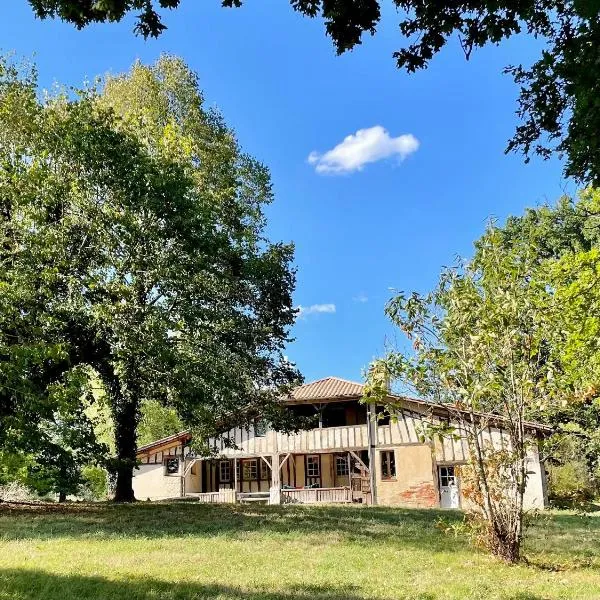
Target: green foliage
[
  {"x": 95, "y": 483},
  {"x": 480, "y": 347},
  {"x": 13, "y": 467},
  {"x": 570, "y": 482},
  {"x": 133, "y": 240},
  {"x": 84, "y": 13},
  {"x": 563, "y": 243},
  {"x": 157, "y": 422}
]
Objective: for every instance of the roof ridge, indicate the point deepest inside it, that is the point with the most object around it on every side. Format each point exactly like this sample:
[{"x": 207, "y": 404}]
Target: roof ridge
[
  {"x": 346, "y": 380},
  {"x": 332, "y": 377}
]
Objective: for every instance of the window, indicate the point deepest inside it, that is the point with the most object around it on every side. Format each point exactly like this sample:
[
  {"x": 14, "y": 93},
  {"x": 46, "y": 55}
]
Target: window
[
  {"x": 264, "y": 470},
  {"x": 383, "y": 416},
  {"x": 341, "y": 465},
  {"x": 260, "y": 428},
  {"x": 313, "y": 466},
  {"x": 172, "y": 466},
  {"x": 388, "y": 464},
  {"x": 250, "y": 470},
  {"x": 447, "y": 476},
  {"x": 224, "y": 471}
]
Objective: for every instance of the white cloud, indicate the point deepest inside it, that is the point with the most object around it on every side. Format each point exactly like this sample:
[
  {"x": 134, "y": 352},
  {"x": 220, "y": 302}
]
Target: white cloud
[
  {"x": 304, "y": 311},
  {"x": 363, "y": 147},
  {"x": 362, "y": 298}
]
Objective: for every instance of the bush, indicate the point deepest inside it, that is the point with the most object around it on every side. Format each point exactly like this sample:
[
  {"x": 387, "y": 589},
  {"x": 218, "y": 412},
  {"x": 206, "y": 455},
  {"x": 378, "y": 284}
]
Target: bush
[
  {"x": 95, "y": 486},
  {"x": 16, "y": 492},
  {"x": 570, "y": 483}
]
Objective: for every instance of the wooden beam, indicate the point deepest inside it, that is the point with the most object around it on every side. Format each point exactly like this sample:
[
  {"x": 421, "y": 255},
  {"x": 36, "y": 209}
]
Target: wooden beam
[
  {"x": 372, "y": 442},
  {"x": 357, "y": 457},
  {"x": 349, "y": 471},
  {"x": 189, "y": 467},
  {"x": 284, "y": 459},
  {"x": 268, "y": 463}
]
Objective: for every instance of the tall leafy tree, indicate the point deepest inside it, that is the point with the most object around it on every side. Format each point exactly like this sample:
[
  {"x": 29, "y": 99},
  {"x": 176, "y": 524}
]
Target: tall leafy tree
[
  {"x": 149, "y": 219},
  {"x": 558, "y": 92},
  {"x": 562, "y": 242},
  {"x": 480, "y": 347}
]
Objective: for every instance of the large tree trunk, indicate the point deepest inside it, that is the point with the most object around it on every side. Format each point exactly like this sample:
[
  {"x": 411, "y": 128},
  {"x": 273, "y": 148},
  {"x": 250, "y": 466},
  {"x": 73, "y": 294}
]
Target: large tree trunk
[
  {"x": 125, "y": 414},
  {"x": 125, "y": 408},
  {"x": 62, "y": 496}
]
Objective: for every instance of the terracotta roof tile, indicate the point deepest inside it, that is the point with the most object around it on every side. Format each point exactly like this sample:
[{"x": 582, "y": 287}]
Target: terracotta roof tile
[{"x": 327, "y": 389}]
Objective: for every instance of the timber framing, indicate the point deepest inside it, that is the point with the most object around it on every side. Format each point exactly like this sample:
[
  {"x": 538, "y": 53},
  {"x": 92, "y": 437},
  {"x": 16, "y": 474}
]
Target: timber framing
[{"x": 338, "y": 461}]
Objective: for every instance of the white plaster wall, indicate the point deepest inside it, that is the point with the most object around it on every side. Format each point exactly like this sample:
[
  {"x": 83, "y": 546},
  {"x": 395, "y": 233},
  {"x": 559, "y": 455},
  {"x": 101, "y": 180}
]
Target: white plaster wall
[
  {"x": 535, "y": 491},
  {"x": 150, "y": 481}
]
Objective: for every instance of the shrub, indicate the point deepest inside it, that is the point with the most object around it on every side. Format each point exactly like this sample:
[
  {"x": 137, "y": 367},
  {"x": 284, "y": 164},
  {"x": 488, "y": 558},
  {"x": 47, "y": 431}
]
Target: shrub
[{"x": 570, "y": 483}]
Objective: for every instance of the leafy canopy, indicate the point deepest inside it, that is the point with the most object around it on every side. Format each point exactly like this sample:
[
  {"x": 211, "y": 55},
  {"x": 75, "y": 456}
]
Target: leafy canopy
[
  {"x": 480, "y": 346},
  {"x": 566, "y": 238},
  {"x": 557, "y": 103},
  {"x": 134, "y": 248}
]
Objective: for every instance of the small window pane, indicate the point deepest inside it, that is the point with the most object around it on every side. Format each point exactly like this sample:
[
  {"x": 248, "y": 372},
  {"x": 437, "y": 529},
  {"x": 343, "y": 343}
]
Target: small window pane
[
  {"x": 250, "y": 470},
  {"x": 264, "y": 470},
  {"x": 447, "y": 476},
  {"x": 260, "y": 428},
  {"x": 312, "y": 466},
  {"x": 388, "y": 464},
  {"x": 172, "y": 466},
  {"x": 225, "y": 471},
  {"x": 341, "y": 465}
]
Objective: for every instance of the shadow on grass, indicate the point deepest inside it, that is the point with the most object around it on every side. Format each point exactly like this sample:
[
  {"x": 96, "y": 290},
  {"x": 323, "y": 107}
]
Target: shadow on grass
[
  {"x": 34, "y": 585},
  {"x": 394, "y": 526}
]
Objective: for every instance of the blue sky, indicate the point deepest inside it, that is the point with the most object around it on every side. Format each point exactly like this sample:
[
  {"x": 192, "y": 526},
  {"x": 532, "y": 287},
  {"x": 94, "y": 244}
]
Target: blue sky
[{"x": 391, "y": 224}]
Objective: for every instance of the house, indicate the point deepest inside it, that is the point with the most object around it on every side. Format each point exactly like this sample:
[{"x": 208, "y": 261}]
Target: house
[{"x": 348, "y": 458}]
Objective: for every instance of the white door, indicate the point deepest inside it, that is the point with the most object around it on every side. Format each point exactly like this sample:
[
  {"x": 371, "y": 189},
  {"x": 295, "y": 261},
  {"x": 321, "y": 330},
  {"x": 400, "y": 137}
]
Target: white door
[{"x": 449, "y": 492}]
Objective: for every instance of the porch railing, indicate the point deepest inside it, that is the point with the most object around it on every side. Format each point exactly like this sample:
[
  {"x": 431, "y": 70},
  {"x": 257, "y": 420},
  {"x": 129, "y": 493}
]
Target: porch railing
[
  {"x": 224, "y": 496},
  {"x": 314, "y": 495}
]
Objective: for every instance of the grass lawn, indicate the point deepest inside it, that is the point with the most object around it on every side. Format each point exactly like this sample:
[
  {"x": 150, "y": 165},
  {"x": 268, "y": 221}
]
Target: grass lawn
[{"x": 188, "y": 550}]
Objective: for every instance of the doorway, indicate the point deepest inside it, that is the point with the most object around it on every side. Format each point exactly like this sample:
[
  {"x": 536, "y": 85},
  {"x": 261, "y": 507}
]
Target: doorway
[{"x": 449, "y": 488}]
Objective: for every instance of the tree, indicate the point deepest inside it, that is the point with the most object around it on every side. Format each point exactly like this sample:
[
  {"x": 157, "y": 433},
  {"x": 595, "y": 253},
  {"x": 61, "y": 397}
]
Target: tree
[
  {"x": 566, "y": 241},
  {"x": 157, "y": 422},
  {"x": 480, "y": 347},
  {"x": 139, "y": 207},
  {"x": 43, "y": 426},
  {"x": 557, "y": 102},
  {"x": 68, "y": 446}
]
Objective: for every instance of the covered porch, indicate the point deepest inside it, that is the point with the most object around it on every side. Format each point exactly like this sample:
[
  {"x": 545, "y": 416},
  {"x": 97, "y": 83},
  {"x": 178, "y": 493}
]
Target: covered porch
[{"x": 321, "y": 477}]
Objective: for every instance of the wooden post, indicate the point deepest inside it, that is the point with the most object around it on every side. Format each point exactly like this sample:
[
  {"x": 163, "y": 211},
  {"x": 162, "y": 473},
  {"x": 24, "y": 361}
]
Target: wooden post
[
  {"x": 349, "y": 472},
  {"x": 275, "y": 489},
  {"x": 372, "y": 440},
  {"x": 235, "y": 476}
]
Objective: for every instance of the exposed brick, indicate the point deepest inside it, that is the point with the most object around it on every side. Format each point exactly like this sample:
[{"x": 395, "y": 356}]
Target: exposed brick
[{"x": 423, "y": 495}]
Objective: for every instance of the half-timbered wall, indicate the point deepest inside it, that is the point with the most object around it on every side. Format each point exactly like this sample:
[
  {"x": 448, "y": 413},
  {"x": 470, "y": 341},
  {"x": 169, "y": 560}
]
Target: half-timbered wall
[{"x": 416, "y": 462}]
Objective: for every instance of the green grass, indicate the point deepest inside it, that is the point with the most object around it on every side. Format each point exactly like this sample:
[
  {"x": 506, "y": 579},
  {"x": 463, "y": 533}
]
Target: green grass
[{"x": 184, "y": 550}]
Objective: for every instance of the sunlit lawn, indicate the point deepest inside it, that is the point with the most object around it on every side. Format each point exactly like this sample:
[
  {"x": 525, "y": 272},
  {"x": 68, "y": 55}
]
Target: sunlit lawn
[{"x": 184, "y": 550}]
